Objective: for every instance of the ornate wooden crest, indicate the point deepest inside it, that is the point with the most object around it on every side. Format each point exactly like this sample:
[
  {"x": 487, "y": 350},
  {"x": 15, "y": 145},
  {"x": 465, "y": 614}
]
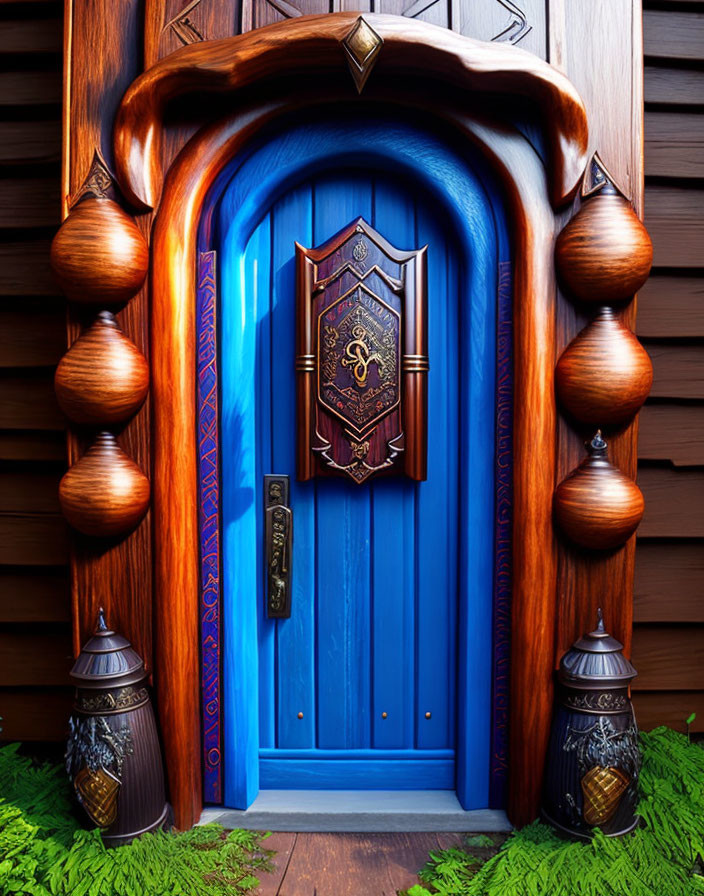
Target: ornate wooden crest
[{"x": 361, "y": 357}]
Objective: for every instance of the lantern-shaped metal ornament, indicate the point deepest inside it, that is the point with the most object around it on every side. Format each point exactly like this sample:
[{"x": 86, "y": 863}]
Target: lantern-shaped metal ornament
[
  {"x": 113, "y": 755},
  {"x": 593, "y": 760}
]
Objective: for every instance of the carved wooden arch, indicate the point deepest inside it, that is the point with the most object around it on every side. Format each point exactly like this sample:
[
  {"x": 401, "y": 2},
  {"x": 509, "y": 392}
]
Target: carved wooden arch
[{"x": 228, "y": 65}]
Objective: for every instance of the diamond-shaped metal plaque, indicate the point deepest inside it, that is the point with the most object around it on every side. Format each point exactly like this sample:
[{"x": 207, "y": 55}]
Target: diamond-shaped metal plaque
[{"x": 362, "y": 46}]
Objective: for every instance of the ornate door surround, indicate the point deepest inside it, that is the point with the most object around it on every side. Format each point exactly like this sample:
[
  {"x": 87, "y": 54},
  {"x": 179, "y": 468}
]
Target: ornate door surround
[
  {"x": 266, "y": 75},
  {"x": 377, "y": 49}
]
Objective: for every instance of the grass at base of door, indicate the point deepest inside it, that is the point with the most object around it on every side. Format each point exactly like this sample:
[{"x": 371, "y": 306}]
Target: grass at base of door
[
  {"x": 664, "y": 857},
  {"x": 45, "y": 852}
]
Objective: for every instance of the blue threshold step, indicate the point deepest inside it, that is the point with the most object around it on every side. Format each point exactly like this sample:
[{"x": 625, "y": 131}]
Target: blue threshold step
[{"x": 356, "y": 811}]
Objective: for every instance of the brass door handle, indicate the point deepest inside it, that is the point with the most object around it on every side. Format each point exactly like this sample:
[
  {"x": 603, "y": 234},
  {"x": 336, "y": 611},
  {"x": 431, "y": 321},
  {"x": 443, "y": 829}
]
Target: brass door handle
[{"x": 278, "y": 534}]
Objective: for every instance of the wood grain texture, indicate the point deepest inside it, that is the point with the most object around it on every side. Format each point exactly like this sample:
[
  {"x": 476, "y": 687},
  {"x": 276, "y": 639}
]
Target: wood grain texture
[
  {"x": 597, "y": 507},
  {"x": 671, "y": 307},
  {"x": 678, "y": 370},
  {"x": 104, "y": 493},
  {"x": 604, "y": 375},
  {"x": 33, "y": 446},
  {"x": 35, "y": 714},
  {"x": 673, "y": 34},
  {"x": 31, "y": 656},
  {"x": 31, "y": 36},
  {"x": 655, "y": 708},
  {"x": 30, "y": 88},
  {"x": 27, "y": 539},
  {"x": 28, "y": 202},
  {"x": 604, "y": 254},
  {"x": 675, "y": 86},
  {"x": 29, "y": 141},
  {"x": 103, "y": 379},
  {"x": 29, "y": 402},
  {"x": 673, "y": 432},
  {"x": 28, "y": 595},
  {"x": 31, "y": 336},
  {"x": 673, "y": 502},
  {"x": 25, "y": 269},
  {"x": 99, "y": 255},
  {"x": 675, "y": 223},
  {"x": 669, "y": 582},
  {"x": 653, "y": 650},
  {"x": 674, "y": 144},
  {"x": 313, "y": 44}
]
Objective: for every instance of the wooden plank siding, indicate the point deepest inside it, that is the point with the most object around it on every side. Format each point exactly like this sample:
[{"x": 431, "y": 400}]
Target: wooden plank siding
[
  {"x": 668, "y": 637},
  {"x": 35, "y": 613}
]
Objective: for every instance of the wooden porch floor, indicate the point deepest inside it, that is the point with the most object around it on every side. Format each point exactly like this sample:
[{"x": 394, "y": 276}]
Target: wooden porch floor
[{"x": 349, "y": 864}]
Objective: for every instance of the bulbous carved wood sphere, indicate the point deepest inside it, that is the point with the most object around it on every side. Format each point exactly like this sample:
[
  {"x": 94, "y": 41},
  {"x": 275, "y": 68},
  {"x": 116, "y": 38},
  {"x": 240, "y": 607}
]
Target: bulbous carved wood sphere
[
  {"x": 604, "y": 253},
  {"x": 604, "y": 375},
  {"x": 104, "y": 493},
  {"x": 103, "y": 378},
  {"x": 597, "y": 506},
  {"x": 99, "y": 255}
]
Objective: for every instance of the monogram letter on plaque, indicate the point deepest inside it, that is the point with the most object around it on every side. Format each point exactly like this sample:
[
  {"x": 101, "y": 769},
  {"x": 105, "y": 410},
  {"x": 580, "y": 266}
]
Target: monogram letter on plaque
[{"x": 361, "y": 357}]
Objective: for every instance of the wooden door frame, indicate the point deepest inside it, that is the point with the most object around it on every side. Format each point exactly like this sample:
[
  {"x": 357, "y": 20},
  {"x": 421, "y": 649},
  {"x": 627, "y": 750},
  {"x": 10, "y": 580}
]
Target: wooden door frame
[{"x": 278, "y": 55}]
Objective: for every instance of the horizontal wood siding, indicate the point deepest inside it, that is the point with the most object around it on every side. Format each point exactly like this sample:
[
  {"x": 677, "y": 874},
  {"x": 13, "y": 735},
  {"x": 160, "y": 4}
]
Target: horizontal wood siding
[
  {"x": 668, "y": 639},
  {"x": 35, "y": 614}
]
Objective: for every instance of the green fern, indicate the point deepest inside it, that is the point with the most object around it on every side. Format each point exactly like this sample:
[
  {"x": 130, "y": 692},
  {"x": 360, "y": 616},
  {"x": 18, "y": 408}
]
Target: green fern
[
  {"x": 44, "y": 851},
  {"x": 664, "y": 857}
]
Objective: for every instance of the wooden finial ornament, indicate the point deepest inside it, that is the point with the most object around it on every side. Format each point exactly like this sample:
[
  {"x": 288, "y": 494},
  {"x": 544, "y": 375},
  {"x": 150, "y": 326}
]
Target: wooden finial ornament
[
  {"x": 604, "y": 254},
  {"x": 597, "y": 506},
  {"x": 99, "y": 256},
  {"x": 103, "y": 379},
  {"x": 604, "y": 375},
  {"x": 104, "y": 493}
]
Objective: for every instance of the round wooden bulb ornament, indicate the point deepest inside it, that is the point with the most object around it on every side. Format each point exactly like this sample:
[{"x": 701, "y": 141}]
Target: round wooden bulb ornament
[
  {"x": 604, "y": 254},
  {"x": 604, "y": 375},
  {"x": 104, "y": 493},
  {"x": 597, "y": 506},
  {"x": 99, "y": 255},
  {"x": 103, "y": 378}
]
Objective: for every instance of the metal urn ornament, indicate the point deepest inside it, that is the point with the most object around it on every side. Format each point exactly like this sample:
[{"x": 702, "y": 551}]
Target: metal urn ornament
[
  {"x": 113, "y": 755},
  {"x": 593, "y": 760}
]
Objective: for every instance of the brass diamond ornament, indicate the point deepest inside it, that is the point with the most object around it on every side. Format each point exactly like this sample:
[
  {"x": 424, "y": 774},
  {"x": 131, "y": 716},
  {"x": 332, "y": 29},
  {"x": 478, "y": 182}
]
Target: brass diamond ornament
[
  {"x": 362, "y": 46},
  {"x": 602, "y": 789}
]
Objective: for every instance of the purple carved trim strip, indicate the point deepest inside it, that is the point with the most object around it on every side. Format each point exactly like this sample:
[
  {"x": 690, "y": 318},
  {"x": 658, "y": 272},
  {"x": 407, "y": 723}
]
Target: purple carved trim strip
[
  {"x": 502, "y": 574},
  {"x": 209, "y": 511}
]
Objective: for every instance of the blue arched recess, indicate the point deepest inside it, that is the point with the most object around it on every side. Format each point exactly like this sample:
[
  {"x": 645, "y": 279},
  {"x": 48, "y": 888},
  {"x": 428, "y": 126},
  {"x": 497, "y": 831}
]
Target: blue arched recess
[{"x": 393, "y": 581}]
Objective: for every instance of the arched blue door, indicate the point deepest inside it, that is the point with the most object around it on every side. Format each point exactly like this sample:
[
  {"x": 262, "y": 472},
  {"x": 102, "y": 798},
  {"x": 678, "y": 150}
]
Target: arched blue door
[{"x": 374, "y": 682}]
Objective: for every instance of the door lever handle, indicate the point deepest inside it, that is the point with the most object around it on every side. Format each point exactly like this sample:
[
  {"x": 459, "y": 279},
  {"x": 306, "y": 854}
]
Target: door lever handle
[{"x": 278, "y": 534}]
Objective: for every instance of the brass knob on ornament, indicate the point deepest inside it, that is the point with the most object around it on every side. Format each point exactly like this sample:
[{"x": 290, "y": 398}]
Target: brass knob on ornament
[
  {"x": 99, "y": 255},
  {"x": 104, "y": 493},
  {"x": 103, "y": 379},
  {"x": 597, "y": 506},
  {"x": 604, "y": 375}
]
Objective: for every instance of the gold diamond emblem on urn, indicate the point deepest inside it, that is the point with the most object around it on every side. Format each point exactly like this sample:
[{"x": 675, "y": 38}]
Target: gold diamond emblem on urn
[{"x": 362, "y": 46}]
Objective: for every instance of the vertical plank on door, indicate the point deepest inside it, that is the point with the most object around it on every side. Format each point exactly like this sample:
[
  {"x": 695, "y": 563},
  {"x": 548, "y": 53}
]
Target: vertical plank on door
[
  {"x": 393, "y": 556},
  {"x": 244, "y": 299},
  {"x": 436, "y": 532},
  {"x": 343, "y": 535},
  {"x": 259, "y": 250},
  {"x": 292, "y": 219}
]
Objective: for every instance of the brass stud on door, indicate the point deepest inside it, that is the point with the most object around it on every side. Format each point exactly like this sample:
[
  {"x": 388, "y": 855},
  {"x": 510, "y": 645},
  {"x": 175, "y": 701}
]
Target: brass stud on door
[
  {"x": 300, "y": 715},
  {"x": 384, "y": 715},
  {"x": 427, "y": 715}
]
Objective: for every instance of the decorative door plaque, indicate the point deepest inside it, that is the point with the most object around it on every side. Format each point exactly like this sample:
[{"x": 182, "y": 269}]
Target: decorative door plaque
[{"x": 361, "y": 357}]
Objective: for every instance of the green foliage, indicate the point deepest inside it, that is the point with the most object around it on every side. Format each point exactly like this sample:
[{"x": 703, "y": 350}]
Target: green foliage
[
  {"x": 662, "y": 858},
  {"x": 44, "y": 851}
]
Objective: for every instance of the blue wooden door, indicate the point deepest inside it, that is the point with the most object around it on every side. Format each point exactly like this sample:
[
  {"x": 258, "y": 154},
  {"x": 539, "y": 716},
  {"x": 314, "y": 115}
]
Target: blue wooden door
[{"x": 358, "y": 689}]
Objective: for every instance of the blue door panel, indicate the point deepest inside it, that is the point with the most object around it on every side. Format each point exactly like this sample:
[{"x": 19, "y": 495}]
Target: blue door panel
[{"x": 358, "y": 689}]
